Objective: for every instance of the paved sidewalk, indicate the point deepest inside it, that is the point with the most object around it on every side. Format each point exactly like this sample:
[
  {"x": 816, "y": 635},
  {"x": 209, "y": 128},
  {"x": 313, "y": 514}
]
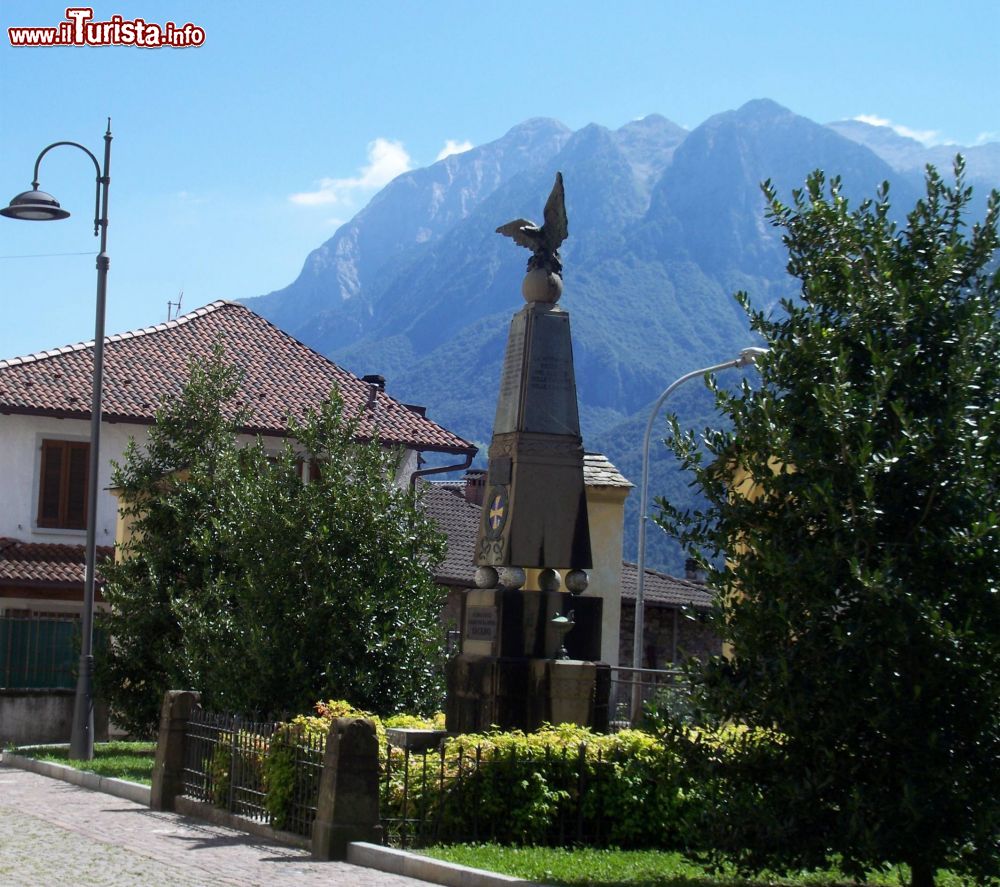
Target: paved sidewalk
[{"x": 53, "y": 834}]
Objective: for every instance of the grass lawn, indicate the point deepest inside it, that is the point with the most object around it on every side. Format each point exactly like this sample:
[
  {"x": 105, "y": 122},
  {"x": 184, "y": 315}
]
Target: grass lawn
[
  {"x": 588, "y": 867},
  {"x": 122, "y": 760}
]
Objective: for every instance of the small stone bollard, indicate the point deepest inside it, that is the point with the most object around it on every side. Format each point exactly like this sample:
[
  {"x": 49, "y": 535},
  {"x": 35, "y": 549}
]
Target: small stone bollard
[
  {"x": 168, "y": 771},
  {"x": 347, "y": 808}
]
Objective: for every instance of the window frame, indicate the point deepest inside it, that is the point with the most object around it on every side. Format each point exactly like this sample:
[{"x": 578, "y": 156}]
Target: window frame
[{"x": 62, "y": 521}]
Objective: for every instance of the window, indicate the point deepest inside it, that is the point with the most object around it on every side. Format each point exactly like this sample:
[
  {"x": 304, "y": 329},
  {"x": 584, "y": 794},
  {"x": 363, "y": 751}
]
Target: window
[
  {"x": 62, "y": 489},
  {"x": 309, "y": 471}
]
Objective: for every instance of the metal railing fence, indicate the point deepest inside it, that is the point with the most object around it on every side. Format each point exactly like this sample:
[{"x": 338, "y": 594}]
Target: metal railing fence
[
  {"x": 666, "y": 689},
  {"x": 262, "y": 771},
  {"x": 554, "y": 797}
]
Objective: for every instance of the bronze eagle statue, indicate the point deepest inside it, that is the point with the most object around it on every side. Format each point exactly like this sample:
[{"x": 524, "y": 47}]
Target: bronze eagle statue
[{"x": 544, "y": 242}]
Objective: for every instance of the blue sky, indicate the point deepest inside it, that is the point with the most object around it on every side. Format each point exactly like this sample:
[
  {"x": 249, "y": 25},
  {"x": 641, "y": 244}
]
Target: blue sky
[{"x": 231, "y": 161}]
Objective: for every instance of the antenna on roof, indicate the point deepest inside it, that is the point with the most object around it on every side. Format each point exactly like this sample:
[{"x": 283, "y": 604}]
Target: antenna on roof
[{"x": 176, "y": 305}]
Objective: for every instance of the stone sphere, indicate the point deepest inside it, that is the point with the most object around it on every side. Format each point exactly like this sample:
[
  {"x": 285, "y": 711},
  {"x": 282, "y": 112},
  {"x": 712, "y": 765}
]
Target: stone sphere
[
  {"x": 540, "y": 285},
  {"x": 577, "y": 581},
  {"x": 487, "y": 577},
  {"x": 548, "y": 580},
  {"x": 512, "y": 577}
]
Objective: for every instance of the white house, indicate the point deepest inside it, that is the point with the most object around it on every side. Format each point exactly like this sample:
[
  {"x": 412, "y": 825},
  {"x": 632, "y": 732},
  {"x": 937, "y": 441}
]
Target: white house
[{"x": 45, "y": 432}]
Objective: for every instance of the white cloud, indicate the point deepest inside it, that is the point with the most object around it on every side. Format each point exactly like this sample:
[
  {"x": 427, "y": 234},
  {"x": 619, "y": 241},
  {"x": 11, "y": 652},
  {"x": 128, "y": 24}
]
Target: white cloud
[
  {"x": 927, "y": 136},
  {"x": 386, "y": 160},
  {"x": 453, "y": 147},
  {"x": 871, "y": 119},
  {"x": 985, "y": 137}
]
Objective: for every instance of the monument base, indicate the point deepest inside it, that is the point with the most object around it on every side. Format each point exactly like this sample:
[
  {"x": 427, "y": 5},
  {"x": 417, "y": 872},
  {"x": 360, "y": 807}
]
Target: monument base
[
  {"x": 511, "y": 674},
  {"x": 524, "y": 694}
]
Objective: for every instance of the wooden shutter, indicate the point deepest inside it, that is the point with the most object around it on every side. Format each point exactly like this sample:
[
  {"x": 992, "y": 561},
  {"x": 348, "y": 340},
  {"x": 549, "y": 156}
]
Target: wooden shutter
[
  {"x": 51, "y": 482},
  {"x": 76, "y": 485},
  {"x": 62, "y": 494}
]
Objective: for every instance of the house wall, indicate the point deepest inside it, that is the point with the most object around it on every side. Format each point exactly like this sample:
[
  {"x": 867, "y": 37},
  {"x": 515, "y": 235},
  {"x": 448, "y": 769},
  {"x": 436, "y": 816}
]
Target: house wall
[
  {"x": 670, "y": 635},
  {"x": 20, "y": 461},
  {"x": 606, "y": 512}
]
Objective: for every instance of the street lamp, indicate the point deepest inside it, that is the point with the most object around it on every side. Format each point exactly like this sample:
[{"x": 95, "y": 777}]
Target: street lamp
[
  {"x": 37, "y": 206},
  {"x": 747, "y": 357}
]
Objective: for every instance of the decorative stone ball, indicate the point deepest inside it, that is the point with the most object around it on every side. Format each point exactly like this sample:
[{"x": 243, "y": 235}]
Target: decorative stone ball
[
  {"x": 540, "y": 285},
  {"x": 548, "y": 580},
  {"x": 512, "y": 577},
  {"x": 487, "y": 577},
  {"x": 577, "y": 581}
]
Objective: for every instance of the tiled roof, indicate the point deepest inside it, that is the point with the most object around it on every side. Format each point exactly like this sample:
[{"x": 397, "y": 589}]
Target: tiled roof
[
  {"x": 659, "y": 588},
  {"x": 459, "y": 521},
  {"x": 45, "y": 563},
  {"x": 281, "y": 378},
  {"x": 599, "y": 472}
]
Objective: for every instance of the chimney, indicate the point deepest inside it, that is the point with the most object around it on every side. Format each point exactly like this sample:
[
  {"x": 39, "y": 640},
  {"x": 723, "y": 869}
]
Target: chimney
[
  {"x": 475, "y": 485},
  {"x": 694, "y": 573},
  {"x": 375, "y": 384}
]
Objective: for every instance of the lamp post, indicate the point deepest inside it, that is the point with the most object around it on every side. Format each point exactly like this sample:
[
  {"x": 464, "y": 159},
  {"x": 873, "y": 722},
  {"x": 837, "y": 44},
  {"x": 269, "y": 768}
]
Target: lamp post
[
  {"x": 747, "y": 357},
  {"x": 37, "y": 206}
]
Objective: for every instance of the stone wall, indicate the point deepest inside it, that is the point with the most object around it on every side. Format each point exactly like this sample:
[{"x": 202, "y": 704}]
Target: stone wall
[
  {"x": 671, "y": 635},
  {"x": 30, "y": 717}
]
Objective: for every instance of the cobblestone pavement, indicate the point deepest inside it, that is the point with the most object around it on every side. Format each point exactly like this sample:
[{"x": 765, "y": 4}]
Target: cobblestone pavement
[{"x": 53, "y": 834}]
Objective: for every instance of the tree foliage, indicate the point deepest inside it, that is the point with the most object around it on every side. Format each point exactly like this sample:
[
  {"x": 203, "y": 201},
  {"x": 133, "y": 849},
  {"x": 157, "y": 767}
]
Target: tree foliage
[
  {"x": 262, "y": 591},
  {"x": 855, "y": 497}
]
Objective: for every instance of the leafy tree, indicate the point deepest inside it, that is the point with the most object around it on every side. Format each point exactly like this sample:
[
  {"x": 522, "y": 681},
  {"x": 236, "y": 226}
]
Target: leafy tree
[
  {"x": 264, "y": 592},
  {"x": 855, "y": 496}
]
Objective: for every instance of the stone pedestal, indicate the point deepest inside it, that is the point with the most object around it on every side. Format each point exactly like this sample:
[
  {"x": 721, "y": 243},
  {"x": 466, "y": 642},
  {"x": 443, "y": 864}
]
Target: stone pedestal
[
  {"x": 511, "y": 623},
  {"x": 524, "y": 694},
  {"x": 508, "y": 675}
]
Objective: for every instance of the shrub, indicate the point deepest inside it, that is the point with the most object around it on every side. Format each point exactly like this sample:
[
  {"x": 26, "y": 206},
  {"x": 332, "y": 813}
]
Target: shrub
[{"x": 558, "y": 785}]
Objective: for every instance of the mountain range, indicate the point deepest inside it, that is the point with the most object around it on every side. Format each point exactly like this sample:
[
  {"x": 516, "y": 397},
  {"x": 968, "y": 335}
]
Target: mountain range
[{"x": 665, "y": 225}]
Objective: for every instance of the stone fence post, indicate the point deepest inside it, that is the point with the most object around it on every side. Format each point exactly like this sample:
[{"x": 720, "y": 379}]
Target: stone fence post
[
  {"x": 347, "y": 809},
  {"x": 168, "y": 771}
]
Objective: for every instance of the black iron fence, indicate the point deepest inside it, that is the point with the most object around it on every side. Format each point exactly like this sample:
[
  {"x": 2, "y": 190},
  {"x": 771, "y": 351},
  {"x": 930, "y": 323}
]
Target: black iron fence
[
  {"x": 262, "y": 771},
  {"x": 569, "y": 796},
  {"x": 521, "y": 793}
]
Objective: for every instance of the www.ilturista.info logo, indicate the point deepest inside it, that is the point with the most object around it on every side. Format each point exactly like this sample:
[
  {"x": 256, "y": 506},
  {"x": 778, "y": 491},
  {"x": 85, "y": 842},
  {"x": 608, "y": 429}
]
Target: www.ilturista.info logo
[{"x": 79, "y": 29}]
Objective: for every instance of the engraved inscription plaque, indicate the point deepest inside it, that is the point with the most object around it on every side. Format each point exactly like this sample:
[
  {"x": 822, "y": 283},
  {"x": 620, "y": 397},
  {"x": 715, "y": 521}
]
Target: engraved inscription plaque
[{"x": 481, "y": 624}]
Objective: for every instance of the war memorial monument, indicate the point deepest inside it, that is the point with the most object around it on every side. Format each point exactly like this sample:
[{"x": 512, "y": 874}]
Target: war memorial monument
[{"x": 530, "y": 635}]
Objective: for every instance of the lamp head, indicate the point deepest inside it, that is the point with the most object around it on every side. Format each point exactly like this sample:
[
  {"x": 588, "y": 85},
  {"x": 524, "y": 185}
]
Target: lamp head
[
  {"x": 34, "y": 206},
  {"x": 750, "y": 355}
]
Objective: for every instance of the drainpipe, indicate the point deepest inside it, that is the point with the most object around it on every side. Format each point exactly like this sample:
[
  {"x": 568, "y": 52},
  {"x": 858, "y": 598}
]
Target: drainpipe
[{"x": 423, "y": 472}]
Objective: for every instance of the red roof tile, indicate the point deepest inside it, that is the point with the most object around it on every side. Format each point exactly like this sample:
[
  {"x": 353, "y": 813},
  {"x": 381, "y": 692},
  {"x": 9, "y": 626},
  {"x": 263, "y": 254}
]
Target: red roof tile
[
  {"x": 282, "y": 378},
  {"x": 45, "y": 563}
]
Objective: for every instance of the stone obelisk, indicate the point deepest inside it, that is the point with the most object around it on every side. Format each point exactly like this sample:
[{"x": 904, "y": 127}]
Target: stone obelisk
[{"x": 514, "y": 669}]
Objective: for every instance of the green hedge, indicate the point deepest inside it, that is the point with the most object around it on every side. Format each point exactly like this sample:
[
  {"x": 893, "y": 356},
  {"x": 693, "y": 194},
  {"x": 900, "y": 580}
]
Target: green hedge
[{"x": 561, "y": 784}]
